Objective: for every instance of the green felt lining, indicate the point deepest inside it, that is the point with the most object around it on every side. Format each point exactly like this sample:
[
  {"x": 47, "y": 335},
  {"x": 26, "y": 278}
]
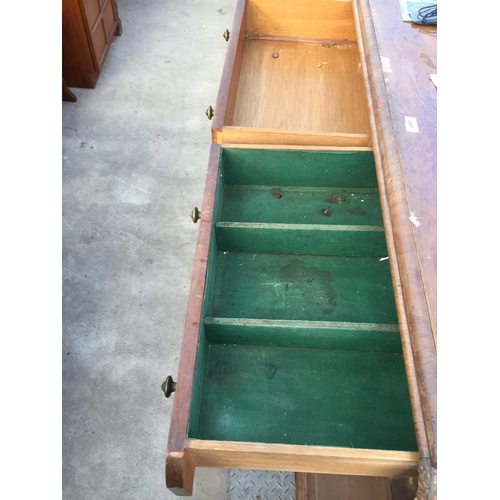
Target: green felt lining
[
  {"x": 299, "y": 341},
  {"x": 201, "y": 353},
  {"x": 351, "y": 169},
  {"x": 348, "y": 241},
  {"x": 303, "y": 287},
  {"x": 306, "y": 396},
  {"x": 198, "y": 384},
  {"x": 302, "y": 205},
  {"x": 304, "y": 334}
]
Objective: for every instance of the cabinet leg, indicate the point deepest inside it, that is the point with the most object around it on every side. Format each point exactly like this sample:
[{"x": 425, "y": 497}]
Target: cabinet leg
[
  {"x": 179, "y": 472},
  {"x": 67, "y": 95},
  {"x": 119, "y": 30}
]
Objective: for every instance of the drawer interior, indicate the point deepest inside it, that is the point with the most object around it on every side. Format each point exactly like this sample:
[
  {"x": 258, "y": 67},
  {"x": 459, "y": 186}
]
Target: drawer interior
[
  {"x": 299, "y": 342},
  {"x": 298, "y": 69}
]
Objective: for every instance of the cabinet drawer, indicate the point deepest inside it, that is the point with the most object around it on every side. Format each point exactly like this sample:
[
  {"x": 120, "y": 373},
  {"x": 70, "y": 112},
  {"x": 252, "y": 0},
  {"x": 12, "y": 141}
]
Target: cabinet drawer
[
  {"x": 292, "y": 76},
  {"x": 291, "y": 357}
]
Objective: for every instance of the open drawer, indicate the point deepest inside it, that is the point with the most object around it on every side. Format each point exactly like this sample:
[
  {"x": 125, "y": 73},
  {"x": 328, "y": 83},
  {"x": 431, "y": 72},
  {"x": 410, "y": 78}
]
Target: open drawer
[
  {"x": 291, "y": 357},
  {"x": 292, "y": 76}
]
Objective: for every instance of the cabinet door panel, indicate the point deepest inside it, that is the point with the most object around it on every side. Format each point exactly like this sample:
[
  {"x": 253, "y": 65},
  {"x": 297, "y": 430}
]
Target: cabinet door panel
[
  {"x": 101, "y": 21},
  {"x": 108, "y": 19},
  {"x": 93, "y": 11},
  {"x": 100, "y": 42}
]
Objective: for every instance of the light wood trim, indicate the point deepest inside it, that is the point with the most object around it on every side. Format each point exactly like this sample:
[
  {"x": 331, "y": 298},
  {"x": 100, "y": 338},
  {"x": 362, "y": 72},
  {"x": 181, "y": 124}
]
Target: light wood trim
[
  {"x": 243, "y": 135},
  {"x": 226, "y": 98},
  {"x": 297, "y": 18},
  {"x": 294, "y": 458},
  {"x": 417, "y": 337},
  {"x": 300, "y": 148},
  {"x": 322, "y": 41}
]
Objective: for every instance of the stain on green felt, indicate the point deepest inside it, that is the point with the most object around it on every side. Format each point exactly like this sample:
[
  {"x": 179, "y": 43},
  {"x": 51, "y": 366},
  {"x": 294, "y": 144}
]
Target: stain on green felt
[
  {"x": 253, "y": 285},
  {"x": 229, "y": 380},
  {"x": 336, "y": 199},
  {"x": 313, "y": 283},
  {"x": 298, "y": 205},
  {"x": 271, "y": 370},
  {"x": 357, "y": 211},
  {"x": 218, "y": 371},
  {"x": 316, "y": 397}
]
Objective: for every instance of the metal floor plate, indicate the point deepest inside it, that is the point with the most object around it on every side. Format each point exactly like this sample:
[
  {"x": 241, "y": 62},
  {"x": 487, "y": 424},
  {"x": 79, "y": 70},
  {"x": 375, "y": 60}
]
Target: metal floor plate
[{"x": 260, "y": 485}]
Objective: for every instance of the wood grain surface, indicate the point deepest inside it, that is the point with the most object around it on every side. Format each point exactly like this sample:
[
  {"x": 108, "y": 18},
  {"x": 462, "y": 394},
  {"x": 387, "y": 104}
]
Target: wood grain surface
[
  {"x": 302, "y": 458},
  {"x": 309, "y": 87},
  {"x": 406, "y": 172},
  {"x": 301, "y": 148},
  {"x": 296, "y": 18},
  {"x": 412, "y": 93},
  {"x": 337, "y": 487},
  {"x": 406, "y": 168},
  {"x": 78, "y": 66},
  {"x": 226, "y": 97},
  {"x": 312, "y": 94},
  {"x": 247, "y": 135}
]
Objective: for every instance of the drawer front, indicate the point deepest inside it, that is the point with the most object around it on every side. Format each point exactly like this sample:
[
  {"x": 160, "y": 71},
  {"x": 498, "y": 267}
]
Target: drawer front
[{"x": 326, "y": 460}]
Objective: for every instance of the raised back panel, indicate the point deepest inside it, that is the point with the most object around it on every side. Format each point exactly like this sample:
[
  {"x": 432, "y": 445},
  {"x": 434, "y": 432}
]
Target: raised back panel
[
  {"x": 350, "y": 169},
  {"x": 319, "y": 19}
]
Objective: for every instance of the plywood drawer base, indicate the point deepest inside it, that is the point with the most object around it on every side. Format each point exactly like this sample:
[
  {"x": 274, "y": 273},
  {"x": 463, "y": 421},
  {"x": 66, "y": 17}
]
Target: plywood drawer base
[{"x": 292, "y": 76}]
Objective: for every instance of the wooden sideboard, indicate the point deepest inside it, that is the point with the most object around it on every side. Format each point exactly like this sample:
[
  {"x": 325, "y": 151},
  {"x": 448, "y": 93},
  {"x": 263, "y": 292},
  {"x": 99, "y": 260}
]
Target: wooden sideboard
[
  {"x": 88, "y": 28},
  {"x": 310, "y": 337}
]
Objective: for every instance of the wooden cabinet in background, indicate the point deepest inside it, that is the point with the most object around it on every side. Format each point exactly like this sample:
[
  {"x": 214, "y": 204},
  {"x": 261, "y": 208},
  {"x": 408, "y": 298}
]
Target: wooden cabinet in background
[{"x": 88, "y": 27}]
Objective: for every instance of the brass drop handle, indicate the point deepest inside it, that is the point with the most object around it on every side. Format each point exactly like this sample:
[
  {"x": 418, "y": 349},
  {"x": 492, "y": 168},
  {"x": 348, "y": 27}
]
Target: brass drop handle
[
  {"x": 210, "y": 112},
  {"x": 195, "y": 215},
  {"x": 169, "y": 386},
  {"x": 226, "y": 35}
]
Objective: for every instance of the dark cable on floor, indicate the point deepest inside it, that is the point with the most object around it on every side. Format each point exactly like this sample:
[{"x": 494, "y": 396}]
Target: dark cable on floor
[{"x": 428, "y": 14}]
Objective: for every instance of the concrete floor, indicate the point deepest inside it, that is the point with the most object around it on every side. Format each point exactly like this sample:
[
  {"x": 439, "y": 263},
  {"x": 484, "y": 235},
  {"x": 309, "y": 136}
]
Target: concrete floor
[{"x": 135, "y": 152}]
